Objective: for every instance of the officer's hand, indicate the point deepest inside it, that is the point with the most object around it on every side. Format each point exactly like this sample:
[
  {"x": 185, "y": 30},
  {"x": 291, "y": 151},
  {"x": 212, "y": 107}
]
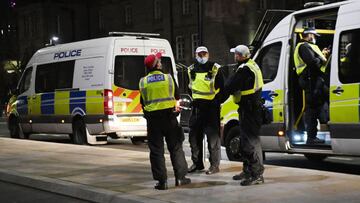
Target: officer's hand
[
  {"x": 177, "y": 106},
  {"x": 326, "y": 52}
]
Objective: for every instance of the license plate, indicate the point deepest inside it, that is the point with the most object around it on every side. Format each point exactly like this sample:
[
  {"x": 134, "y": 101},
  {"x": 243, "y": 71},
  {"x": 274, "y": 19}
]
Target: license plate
[{"x": 130, "y": 119}]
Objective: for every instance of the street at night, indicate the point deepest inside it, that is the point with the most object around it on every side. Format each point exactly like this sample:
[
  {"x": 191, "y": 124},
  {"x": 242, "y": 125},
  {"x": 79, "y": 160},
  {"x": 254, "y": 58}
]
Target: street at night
[{"x": 180, "y": 101}]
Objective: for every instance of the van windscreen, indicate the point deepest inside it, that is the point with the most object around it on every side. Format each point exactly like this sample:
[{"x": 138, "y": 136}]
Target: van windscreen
[{"x": 129, "y": 70}]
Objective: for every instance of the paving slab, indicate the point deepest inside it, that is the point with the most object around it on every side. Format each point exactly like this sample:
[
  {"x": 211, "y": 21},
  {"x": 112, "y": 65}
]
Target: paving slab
[{"x": 115, "y": 175}]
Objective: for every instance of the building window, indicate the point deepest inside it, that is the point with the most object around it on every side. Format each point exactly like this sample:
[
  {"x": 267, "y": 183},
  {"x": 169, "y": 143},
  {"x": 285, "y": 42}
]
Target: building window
[
  {"x": 185, "y": 7},
  {"x": 101, "y": 21},
  {"x": 157, "y": 10},
  {"x": 58, "y": 24},
  {"x": 128, "y": 15},
  {"x": 194, "y": 42},
  {"x": 180, "y": 48},
  {"x": 262, "y": 4}
]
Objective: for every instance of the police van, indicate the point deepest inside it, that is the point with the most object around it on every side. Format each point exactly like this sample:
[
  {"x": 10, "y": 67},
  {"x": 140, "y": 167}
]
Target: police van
[
  {"x": 87, "y": 89},
  {"x": 339, "y": 27}
]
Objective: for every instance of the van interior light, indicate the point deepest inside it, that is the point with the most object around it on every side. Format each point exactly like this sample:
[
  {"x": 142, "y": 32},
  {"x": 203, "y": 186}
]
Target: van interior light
[{"x": 281, "y": 133}]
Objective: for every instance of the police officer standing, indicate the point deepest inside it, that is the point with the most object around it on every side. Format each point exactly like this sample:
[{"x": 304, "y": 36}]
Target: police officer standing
[
  {"x": 159, "y": 93},
  {"x": 310, "y": 63},
  {"x": 205, "y": 82},
  {"x": 246, "y": 86}
]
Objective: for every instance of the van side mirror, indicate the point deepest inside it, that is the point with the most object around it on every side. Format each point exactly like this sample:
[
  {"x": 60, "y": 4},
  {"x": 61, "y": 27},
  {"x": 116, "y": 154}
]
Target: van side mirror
[{"x": 185, "y": 102}]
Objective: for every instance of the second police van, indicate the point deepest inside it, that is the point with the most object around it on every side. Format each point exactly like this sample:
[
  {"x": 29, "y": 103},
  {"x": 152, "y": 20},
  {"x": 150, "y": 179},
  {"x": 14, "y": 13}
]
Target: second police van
[
  {"x": 339, "y": 27},
  {"x": 87, "y": 89}
]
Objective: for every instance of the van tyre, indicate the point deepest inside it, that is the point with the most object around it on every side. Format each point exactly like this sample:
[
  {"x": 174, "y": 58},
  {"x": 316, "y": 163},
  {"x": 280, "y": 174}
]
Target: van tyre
[
  {"x": 138, "y": 140},
  {"x": 15, "y": 129},
  {"x": 316, "y": 157},
  {"x": 79, "y": 133},
  {"x": 232, "y": 144}
]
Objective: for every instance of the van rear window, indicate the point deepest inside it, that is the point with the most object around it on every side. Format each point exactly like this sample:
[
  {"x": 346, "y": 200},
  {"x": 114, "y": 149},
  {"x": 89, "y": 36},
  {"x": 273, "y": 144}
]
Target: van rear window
[{"x": 129, "y": 70}]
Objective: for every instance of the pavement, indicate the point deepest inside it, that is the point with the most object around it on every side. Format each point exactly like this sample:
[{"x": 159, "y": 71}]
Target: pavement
[{"x": 116, "y": 175}]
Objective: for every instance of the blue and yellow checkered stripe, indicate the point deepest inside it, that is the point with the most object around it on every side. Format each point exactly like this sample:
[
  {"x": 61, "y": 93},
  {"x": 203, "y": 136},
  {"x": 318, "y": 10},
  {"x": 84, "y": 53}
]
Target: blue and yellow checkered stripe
[{"x": 89, "y": 102}]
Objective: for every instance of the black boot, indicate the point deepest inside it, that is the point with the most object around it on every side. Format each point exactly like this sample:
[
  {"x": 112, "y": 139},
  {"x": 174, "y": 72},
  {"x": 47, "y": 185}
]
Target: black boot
[
  {"x": 314, "y": 141},
  {"x": 183, "y": 181},
  {"x": 161, "y": 185},
  {"x": 212, "y": 170},
  {"x": 253, "y": 181},
  {"x": 195, "y": 167},
  {"x": 241, "y": 176}
]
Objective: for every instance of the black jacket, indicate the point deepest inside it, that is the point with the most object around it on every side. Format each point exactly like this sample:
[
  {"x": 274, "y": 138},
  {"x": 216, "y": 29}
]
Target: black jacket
[
  {"x": 243, "y": 79},
  {"x": 312, "y": 60}
]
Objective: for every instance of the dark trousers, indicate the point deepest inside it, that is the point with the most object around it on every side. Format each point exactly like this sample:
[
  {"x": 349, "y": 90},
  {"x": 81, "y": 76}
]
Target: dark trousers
[
  {"x": 166, "y": 127},
  {"x": 251, "y": 151},
  {"x": 205, "y": 121},
  {"x": 315, "y": 98}
]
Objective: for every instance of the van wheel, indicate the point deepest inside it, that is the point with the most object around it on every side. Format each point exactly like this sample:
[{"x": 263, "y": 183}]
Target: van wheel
[
  {"x": 315, "y": 157},
  {"x": 138, "y": 140},
  {"x": 15, "y": 129},
  {"x": 232, "y": 144},
  {"x": 79, "y": 133}
]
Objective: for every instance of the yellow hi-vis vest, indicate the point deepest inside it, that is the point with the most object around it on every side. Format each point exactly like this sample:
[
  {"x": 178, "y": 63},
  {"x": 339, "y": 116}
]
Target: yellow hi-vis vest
[
  {"x": 157, "y": 91},
  {"x": 203, "y": 87},
  {"x": 258, "y": 81},
  {"x": 300, "y": 64}
]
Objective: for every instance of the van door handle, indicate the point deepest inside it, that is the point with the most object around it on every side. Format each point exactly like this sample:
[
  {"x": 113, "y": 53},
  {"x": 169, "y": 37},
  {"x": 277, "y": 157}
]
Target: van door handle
[
  {"x": 338, "y": 90},
  {"x": 273, "y": 94}
]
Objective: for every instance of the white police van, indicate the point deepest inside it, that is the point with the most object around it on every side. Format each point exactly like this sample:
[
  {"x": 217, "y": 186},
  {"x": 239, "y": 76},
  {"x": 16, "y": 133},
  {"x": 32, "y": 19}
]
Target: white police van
[
  {"x": 87, "y": 89},
  {"x": 339, "y": 27}
]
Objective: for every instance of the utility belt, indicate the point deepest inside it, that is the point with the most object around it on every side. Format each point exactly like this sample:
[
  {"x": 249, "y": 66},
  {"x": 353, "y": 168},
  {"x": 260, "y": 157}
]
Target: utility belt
[{"x": 164, "y": 113}]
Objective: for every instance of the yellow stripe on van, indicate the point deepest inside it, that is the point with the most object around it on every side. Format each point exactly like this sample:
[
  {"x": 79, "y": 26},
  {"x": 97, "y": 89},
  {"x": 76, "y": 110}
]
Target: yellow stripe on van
[
  {"x": 36, "y": 105},
  {"x": 94, "y": 102},
  {"x": 278, "y": 107},
  {"x": 344, "y": 108},
  {"x": 319, "y": 31},
  {"x": 61, "y": 102}
]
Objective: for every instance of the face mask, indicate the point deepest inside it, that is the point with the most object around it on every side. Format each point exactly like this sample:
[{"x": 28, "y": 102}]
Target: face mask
[
  {"x": 313, "y": 40},
  {"x": 202, "y": 60}
]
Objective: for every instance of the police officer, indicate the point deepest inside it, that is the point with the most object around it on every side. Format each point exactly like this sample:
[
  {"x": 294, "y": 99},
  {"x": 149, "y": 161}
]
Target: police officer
[
  {"x": 245, "y": 86},
  {"x": 205, "y": 82},
  {"x": 159, "y": 93},
  {"x": 310, "y": 63}
]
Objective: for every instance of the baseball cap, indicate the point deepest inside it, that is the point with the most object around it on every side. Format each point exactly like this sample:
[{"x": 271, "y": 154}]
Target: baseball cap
[
  {"x": 310, "y": 30},
  {"x": 241, "y": 49},
  {"x": 151, "y": 60},
  {"x": 201, "y": 49}
]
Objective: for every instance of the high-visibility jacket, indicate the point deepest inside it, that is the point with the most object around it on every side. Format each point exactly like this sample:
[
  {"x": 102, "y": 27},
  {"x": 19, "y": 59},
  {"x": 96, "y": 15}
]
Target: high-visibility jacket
[
  {"x": 203, "y": 87},
  {"x": 258, "y": 80},
  {"x": 157, "y": 91},
  {"x": 300, "y": 65}
]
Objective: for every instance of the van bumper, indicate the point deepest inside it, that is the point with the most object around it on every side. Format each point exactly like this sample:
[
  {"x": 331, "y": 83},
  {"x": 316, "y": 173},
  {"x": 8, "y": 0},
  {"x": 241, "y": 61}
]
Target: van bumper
[{"x": 129, "y": 125}]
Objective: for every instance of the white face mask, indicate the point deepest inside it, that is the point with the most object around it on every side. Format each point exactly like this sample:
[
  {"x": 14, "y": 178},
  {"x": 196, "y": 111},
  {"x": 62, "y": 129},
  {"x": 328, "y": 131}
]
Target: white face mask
[
  {"x": 313, "y": 40},
  {"x": 202, "y": 60}
]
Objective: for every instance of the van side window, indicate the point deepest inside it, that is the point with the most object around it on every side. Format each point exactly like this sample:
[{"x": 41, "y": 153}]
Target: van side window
[
  {"x": 25, "y": 81},
  {"x": 268, "y": 61},
  {"x": 349, "y": 57},
  {"x": 52, "y": 76}
]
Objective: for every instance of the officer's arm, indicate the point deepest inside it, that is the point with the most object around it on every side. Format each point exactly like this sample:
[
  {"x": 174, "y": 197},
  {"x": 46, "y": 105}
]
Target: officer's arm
[
  {"x": 308, "y": 56},
  {"x": 233, "y": 84},
  {"x": 177, "y": 93},
  {"x": 220, "y": 84}
]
